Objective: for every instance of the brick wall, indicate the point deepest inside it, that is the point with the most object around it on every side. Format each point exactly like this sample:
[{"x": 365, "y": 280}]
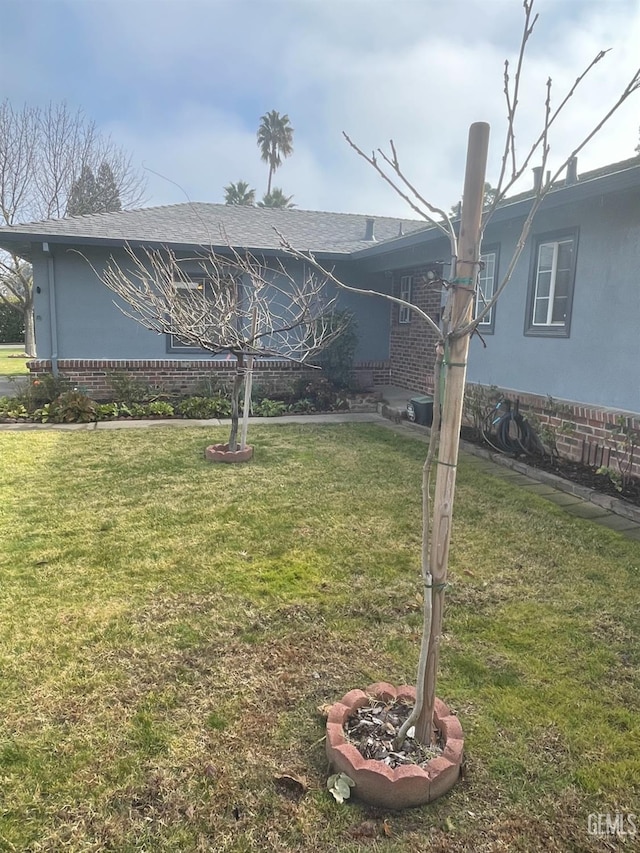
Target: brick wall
[
  {"x": 183, "y": 377},
  {"x": 412, "y": 345},
  {"x": 593, "y": 434}
]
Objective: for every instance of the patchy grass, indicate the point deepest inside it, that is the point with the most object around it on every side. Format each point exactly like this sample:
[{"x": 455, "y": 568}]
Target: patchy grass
[
  {"x": 169, "y": 628},
  {"x": 9, "y": 364}
]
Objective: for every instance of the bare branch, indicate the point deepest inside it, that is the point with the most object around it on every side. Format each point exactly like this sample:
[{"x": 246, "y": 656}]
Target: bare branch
[
  {"x": 447, "y": 229},
  {"x": 310, "y": 258}
]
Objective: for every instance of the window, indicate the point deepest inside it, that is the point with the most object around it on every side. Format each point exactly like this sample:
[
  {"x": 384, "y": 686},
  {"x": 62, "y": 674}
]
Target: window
[
  {"x": 191, "y": 292},
  {"x": 551, "y": 285},
  {"x": 202, "y": 304},
  {"x": 404, "y": 312},
  {"x": 487, "y": 288}
]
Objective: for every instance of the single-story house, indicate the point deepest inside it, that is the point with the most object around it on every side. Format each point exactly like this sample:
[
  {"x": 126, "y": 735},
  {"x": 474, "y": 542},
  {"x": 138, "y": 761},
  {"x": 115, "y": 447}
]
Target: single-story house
[{"x": 566, "y": 327}]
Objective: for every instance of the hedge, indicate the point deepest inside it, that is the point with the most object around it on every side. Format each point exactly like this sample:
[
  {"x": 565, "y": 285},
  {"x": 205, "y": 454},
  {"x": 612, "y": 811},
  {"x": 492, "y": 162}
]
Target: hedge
[{"x": 11, "y": 325}]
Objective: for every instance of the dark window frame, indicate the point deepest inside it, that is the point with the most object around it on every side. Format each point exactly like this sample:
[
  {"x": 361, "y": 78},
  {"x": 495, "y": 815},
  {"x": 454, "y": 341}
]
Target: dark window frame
[{"x": 552, "y": 330}]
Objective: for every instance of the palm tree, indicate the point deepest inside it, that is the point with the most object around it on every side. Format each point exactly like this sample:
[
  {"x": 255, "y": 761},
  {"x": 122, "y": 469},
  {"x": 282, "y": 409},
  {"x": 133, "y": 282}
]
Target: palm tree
[
  {"x": 275, "y": 140},
  {"x": 276, "y": 198},
  {"x": 239, "y": 194}
]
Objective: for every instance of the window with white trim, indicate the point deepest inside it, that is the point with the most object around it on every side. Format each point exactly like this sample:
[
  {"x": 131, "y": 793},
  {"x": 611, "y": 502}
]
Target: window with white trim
[
  {"x": 551, "y": 286},
  {"x": 404, "y": 312},
  {"x": 486, "y": 288},
  {"x": 191, "y": 291}
]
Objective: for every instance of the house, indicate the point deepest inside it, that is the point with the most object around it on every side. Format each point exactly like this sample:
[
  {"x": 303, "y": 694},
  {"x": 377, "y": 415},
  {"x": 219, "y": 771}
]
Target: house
[
  {"x": 566, "y": 327},
  {"x": 81, "y": 333}
]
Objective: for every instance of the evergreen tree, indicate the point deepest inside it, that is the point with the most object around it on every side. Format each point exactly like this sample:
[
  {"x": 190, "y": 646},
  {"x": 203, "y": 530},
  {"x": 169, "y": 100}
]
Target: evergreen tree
[
  {"x": 107, "y": 192},
  {"x": 83, "y": 193},
  {"x": 91, "y": 194}
]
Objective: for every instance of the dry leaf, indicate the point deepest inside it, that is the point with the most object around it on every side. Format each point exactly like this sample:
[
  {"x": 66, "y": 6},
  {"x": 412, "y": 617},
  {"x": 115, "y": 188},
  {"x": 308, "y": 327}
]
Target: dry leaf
[
  {"x": 366, "y": 829},
  {"x": 291, "y": 785},
  {"x": 323, "y": 710},
  {"x": 386, "y": 828}
]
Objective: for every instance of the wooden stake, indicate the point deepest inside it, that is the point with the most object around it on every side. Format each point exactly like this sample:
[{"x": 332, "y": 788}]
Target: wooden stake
[
  {"x": 248, "y": 383},
  {"x": 458, "y": 312}
]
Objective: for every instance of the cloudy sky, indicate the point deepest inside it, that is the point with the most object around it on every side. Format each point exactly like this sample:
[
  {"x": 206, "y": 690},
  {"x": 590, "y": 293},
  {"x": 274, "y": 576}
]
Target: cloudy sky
[{"x": 182, "y": 85}]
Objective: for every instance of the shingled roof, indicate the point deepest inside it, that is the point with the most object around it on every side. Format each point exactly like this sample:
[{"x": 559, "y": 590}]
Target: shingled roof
[{"x": 218, "y": 225}]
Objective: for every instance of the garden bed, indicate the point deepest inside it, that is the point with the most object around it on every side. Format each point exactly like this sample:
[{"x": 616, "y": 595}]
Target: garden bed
[{"x": 567, "y": 469}]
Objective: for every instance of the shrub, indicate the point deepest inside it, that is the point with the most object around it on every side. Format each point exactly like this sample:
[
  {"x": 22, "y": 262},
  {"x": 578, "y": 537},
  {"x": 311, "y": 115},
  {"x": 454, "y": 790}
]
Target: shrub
[
  {"x": 107, "y": 411},
  {"x": 73, "y": 407},
  {"x": 204, "y": 407},
  {"x": 10, "y": 407},
  {"x": 11, "y": 324},
  {"x": 127, "y": 389},
  {"x": 160, "y": 408},
  {"x": 336, "y": 360},
  {"x": 318, "y": 391},
  {"x": 301, "y": 407},
  {"x": 42, "y": 388},
  {"x": 269, "y": 408},
  {"x": 211, "y": 387}
]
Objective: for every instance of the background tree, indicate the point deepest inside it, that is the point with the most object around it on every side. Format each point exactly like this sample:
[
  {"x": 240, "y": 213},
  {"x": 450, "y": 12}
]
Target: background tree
[
  {"x": 43, "y": 153},
  {"x": 458, "y": 324},
  {"x": 233, "y": 304},
  {"x": 94, "y": 194},
  {"x": 488, "y": 200},
  {"x": 239, "y": 194},
  {"x": 275, "y": 140},
  {"x": 276, "y": 198}
]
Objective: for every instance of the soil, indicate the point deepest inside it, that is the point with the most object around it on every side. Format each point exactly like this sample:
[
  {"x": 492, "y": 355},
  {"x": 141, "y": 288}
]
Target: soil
[
  {"x": 577, "y": 472},
  {"x": 373, "y": 728}
]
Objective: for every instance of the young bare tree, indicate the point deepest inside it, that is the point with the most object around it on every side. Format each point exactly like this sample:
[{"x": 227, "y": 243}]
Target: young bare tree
[
  {"x": 233, "y": 304},
  {"x": 43, "y": 153},
  {"x": 458, "y": 322}
]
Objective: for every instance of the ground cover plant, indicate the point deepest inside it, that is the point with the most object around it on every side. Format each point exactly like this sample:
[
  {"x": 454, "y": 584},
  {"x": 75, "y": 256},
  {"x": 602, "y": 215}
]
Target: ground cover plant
[
  {"x": 168, "y": 631},
  {"x": 11, "y": 363}
]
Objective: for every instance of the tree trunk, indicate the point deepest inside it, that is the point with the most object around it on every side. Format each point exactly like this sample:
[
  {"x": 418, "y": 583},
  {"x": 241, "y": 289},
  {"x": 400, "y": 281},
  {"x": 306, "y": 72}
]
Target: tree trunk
[
  {"x": 29, "y": 331},
  {"x": 248, "y": 382},
  {"x": 235, "y": 402},
  {"x": 457, "y": 314}
]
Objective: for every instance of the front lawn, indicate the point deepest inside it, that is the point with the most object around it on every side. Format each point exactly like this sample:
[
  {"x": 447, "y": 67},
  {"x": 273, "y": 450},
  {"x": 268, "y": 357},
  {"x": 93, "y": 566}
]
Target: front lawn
[
  {"x": 9, "y": 364},
  {"x": 169, "y": 628}
]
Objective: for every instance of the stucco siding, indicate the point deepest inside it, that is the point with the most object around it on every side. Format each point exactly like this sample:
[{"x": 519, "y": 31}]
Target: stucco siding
[
  {"x": 598, "y": 362},
  {"x": 88, "y": 325}
]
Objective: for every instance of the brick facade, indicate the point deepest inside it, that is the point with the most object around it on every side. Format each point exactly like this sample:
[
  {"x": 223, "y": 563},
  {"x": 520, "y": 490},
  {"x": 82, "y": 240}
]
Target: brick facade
[
  {"x": 593, "y": 434},
  {"x": 184, "y": 377},
  {"x": 412, "y": 345}
]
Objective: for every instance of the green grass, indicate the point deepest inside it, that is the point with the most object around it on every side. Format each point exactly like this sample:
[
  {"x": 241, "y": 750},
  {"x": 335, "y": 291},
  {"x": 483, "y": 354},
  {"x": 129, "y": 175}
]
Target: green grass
[
  {"x": 169, "y": 628},
  {"x": 10, "y": 366}
]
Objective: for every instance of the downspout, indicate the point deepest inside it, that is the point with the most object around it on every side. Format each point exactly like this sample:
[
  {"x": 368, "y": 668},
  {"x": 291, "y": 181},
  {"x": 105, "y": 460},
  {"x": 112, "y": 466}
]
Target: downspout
[{"x": 53, "y": 323}]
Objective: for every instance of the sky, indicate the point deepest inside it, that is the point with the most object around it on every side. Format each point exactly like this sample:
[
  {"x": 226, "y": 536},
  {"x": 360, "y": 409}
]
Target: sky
[{"x": 181, "y": 85}]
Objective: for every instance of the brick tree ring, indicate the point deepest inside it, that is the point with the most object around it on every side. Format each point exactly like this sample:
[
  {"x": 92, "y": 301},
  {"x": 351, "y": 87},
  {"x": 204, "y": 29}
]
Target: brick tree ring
[
  {"x": 221, "y": 453},
  {"x": 375, "y": 782}
]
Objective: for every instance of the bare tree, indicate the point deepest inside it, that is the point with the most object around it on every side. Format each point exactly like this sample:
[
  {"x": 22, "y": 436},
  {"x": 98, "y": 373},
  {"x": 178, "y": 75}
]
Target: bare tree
[
  {"x": 232, "y": 303},
  {"x": 458, "y": 323},
  {"x": 43, "y": 152}
]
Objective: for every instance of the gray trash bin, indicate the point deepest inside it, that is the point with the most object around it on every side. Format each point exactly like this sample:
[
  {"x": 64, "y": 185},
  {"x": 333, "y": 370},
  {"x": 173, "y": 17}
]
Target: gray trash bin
[{"x": 420, "y": 410}]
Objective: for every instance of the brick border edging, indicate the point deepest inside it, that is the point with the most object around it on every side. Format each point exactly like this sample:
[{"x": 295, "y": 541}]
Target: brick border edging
[{"x": 608, "y": 502}]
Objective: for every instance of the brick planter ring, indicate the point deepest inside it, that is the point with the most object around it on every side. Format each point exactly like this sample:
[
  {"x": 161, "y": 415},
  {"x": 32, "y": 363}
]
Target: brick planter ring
[
  {"x": 221, "y": 453},
  {"x": 375, "y": 782}
]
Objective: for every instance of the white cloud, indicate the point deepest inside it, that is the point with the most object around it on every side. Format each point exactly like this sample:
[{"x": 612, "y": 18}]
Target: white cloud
[{"x": 182, "y": 85}]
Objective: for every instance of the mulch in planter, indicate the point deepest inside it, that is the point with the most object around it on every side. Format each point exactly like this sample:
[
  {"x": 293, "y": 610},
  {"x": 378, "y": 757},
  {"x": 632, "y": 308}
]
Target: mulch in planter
[{"x": 373, "y": 728}]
